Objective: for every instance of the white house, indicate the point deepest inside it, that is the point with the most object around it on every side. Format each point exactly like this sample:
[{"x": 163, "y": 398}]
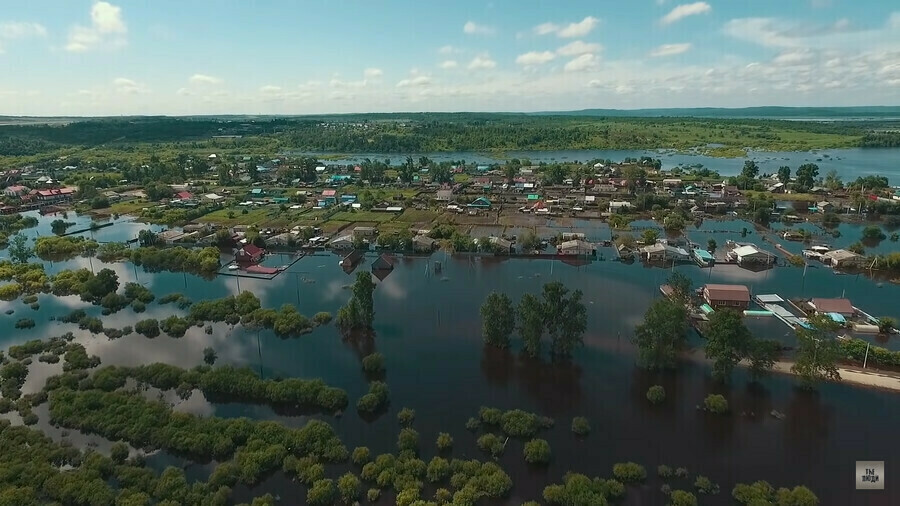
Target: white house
[
  {"x": 751, "y": 255},
  {"x": 619, "y": 205}
]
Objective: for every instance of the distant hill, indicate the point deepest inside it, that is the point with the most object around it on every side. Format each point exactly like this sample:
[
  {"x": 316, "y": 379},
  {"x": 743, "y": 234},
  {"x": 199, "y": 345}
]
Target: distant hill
[{"x": 745, "y": 112}]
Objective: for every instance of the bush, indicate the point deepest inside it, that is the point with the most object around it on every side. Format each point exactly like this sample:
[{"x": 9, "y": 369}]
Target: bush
[
  {"x": 438, "y": 470},
  {"x": 715, "y": 403},
  {"x": 490, "y": 416},
  {"x": 360, "y": 456},
  {"x": 373, "y": 495},
  {"x": 472, "y": 424},
  {"x": 348, "y": 487},
  {"x": 629, "y": 472},
  {"x": 581, "y": 426},
  {"x": 375, "y": 399},
  {"x": 373, "y": 363},
  {"x": 322, "y": 318},
  {"x": 682, "y": 498},
  {"x": 25, "y": 323},
  {"x": 537, "y": 451},
  {"x": 406, "y": 416},
  {"x": 138, "y": 306},
  {"x": 705, "y": 486},
  {"x": 321, "y": 493},
  {"x": 444, "y": 441},
  {"x": 664, "y": 471},
  {"x": 408, "y": 439},
  {"x": 681, "y": 472},
  {"x": 147, "y": 328},
  {"x": 656, "y": 394}
]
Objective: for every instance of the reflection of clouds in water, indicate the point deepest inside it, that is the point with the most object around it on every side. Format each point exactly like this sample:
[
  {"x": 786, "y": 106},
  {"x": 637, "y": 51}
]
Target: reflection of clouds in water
[
  {"x": 196, "y": 404},
  {"x": 391, "y": 288},
  {"x": 38, "y": 372},
  {"x": 734, "y": 273}
]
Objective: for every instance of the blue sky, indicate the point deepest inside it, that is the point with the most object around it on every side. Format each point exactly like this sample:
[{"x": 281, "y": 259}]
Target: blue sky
[{"x": 84, "y": 57}]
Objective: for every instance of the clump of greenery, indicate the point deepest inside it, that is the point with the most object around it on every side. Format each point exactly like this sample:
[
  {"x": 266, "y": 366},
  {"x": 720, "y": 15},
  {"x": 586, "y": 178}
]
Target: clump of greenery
[
  {"x": 444, "y": 441},
  {"x": 472, "y": 424},
  {"x": 348, "y": 487},
  {"x": 359, "y": 313},
  {"x": 491, "y": 443},
  {"x": 682, "y": 498},
  {"x": 681, "y": 472},
  {"x": 373, "y": 363},
  {"x": 360, "y": 456},
  {"x": 438, "y": 470},
  {"x": 537, "y": 451},
  {"x": 408, "y": 440},
  {"x": 373, "y": 495},
  {"x": 656, "y": 394},
  {"x": 147, "y": 328},
  {"x": 629, "y": 472},
  {"x": 715, "y": 403},
  {"x": 376, "y": 399},
  {"x": 579, "y": 489},
  {"x": 322, "y": 318},
  {"x": 209, "y": 356},
  {"x": 406, "y": 416},
  {"x": 25, "y": 323},
  {"x": 705, "y": 486},
  {"x": 581, "y": 426},
  {"x": 761, "y": 492},
  {"x": 321, "y": 493},
  {"x": 664, "y": 471},
  {"x": 514, "y": 423}
]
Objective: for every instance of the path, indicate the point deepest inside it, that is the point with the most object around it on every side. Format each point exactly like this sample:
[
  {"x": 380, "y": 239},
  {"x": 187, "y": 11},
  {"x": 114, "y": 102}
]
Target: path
[{"x": 856, "y": 376}]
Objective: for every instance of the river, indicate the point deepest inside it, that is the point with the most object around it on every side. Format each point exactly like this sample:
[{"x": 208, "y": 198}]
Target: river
[
  {"x": 428, "y": 328},
  {"x": 849, "y": 163}
]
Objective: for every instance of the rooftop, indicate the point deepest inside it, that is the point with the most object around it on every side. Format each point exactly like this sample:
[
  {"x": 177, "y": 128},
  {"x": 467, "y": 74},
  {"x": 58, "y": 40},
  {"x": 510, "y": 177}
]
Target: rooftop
[
  {"x": 840, "y": 306},
  {"x": 738, "y": 293}
]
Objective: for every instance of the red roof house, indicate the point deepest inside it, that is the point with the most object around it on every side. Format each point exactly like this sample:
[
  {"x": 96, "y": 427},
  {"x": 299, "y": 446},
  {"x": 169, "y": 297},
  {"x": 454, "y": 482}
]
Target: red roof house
[
  {"x": 184, "y": 195},
  {"x": 249, "y": 254}
]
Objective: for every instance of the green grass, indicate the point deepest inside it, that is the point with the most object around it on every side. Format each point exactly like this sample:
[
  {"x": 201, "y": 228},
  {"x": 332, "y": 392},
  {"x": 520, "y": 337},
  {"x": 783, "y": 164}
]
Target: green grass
[
  {"x": 461, "y": 178},
  {"x": 417, "y": 216},
  {"x": 359, "y": 216},
  {"x": 254, "y": 216},
  {"x": 133, "y": 207}
]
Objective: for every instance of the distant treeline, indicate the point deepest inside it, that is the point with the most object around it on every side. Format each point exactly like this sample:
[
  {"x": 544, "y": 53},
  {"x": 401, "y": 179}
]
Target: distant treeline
[
  {"x": 422, "y": 133},
  {"x": 881, "y": 140}
]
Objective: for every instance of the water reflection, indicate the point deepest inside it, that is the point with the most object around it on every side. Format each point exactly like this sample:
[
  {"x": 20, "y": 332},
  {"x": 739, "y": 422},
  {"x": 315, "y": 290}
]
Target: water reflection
[{"x": 554, "y": 386}]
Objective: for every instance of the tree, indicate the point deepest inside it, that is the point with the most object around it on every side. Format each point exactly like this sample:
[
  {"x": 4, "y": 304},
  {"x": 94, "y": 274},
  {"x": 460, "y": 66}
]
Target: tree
[
  {"x": 750, "y": 170},
  {"x": 806, "y": 176},
  {"x": 148, "y": 238},
  {"x": 531, "y": 323},
  {"x": 662, "y": 334},
  {"x": 784, "y": 174},
  {"x": 728, "y": 341},
  {"x": 497, "y": 320},
  {"x": 321, "y": 493},
  {"x": 681, "y": 285},
  {"x": 349, "y": 487},
  {"x": 96, "y": 287},
  {"x": 359, "y": 312},
  {"x": 629, "y": 472},
  {"x": 635, "y": 177},
  {"x": 817, "y": 352},
  {"x": 537, "y": 451},
  {"x": 510, "y": 172},
  {"x": 886, "y": 324},
  {"x": 406, "y": 416},
  {"x": 555, "y": 174},
  {"x": 581, "y": 426},
  {"x": 19, "y": 251},
  {"x": 682, "y": 498},
  {"x": 873, "y": 233},
  {"x": 565, "y": 317},
  {"x": 715, "y": 403},
  {"x": 444, "y": 441},
  {"x": 711, "y": 246},
  {"x": 649, "y": 236},
  {"x": 656, "y": 394},
  {"x": 833, "y": 180},
  {"x": 762, "y": 355},
  {"x": 209, "y": 356}
]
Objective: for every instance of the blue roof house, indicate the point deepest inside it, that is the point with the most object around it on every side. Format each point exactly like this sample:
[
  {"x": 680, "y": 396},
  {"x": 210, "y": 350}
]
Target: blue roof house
[{"x": 481, "y": 203}]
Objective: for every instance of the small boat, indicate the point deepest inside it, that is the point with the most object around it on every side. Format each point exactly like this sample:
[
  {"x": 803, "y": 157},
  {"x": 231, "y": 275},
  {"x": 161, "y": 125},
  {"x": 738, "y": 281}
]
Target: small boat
[{"x": 233, "y": 267}]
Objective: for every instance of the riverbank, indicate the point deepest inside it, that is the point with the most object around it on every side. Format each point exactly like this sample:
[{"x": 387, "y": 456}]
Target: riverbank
[{"x": 861, "y": 377}]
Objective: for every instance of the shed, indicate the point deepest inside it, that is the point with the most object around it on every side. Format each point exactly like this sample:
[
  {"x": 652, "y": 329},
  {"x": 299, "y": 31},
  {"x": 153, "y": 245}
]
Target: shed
[
  {"x": 364, "y": 232},
  {"x": 842, "y": 258},
  {"x": 423, "y": 244},
  {"x": 576, "y": 247},
  {"x": 842, "y": 307},
  {"x": 736, "y": 296}
]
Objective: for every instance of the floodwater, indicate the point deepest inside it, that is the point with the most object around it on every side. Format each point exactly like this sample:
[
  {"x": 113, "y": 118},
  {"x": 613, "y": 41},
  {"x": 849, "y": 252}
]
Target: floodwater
[
  {"x": 849, "y": 163},
  {"x": 427, "y": 326}
]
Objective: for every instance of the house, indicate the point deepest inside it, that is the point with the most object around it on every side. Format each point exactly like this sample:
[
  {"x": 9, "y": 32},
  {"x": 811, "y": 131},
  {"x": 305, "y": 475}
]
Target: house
[
  {"x": 285, "y": 239},
  {"x": 735, "y": 296},
  {"x": 257, "y": 192},
  {"x": 842, "y": 307},
  {"x": 364, "y": 232},
  {"x": 53, "y": 195},
  {"x": 185, "y": 195},
  {"x": 169, "y": 236},
  {"x": 249, "y": 254},
  {"x": 617, "y": 206},
  {"x": 841, "y": 258},
  {"x": 342, "y": 242},
  {"x": 750, "y": 254},
  {"x": 653, "y": 253},
  {"x": 444, "y": 195},
  {"x": 676, "y": 253},
  {"x": 383, "y": 263},
  {"x": 825, "y": 206},
  {"x": 16, "y": 191},
  {"x": 423, "y": 244},
  {"x": 576, "y": 247},
  {"x": 348, "y": 198},
  {"x": 329, "y": 198},
  {"x": 501, "y": 245},
  {"x": 776, "y": 188},
  {"x": 480, "y": 203},
  {"x": 212, "y": 197},
  {"x": 703, "y": 257}
]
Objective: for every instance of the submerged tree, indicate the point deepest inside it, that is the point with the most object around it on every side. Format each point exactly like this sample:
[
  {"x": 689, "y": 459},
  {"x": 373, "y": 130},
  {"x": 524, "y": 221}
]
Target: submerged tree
[
  {"x": 728, "y": 341},
  {"x": 531, "y": 323},
  {"x": 497, "y": 320},
  {"x": 359, "y": 312},
  {"x": 662, "y": 334},
  {"x": 817, "y": 352},
  {"x": 565, "y": 317},
  {"x": 681, "y": 286},
  {"x": 19, "y": 251}
]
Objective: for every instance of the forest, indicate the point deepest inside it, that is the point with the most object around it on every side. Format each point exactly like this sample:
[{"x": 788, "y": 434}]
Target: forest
[{"x": 427, "y": 132}]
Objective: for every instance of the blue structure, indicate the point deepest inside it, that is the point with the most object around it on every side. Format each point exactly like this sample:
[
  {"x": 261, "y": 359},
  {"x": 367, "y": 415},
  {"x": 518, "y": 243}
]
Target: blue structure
[
  {"x": 348, "y": 198},
  {"x": 704, "y": 258},
  {"x": 481, "y": 203}
]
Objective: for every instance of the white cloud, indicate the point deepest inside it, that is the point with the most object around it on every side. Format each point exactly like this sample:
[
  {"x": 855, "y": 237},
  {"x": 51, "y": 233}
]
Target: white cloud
[
  {"x": 204, "y": 79},
  {"x": 579, "y": 29},
  {"x": 482, "y": 62},
  {"x": 546, "y": 28},
  {"x": 449, "y": 64},
  {"x": 127, "y": 86},
  {"x": 270, "y": 89},
  {"x": 107, "y": 29},
  {"x": 473, "y": 28},
  {"x": 372, "y": 73},
  {"x": 570, "y": 31},
  {"x": 21, "y": 30},
  {"x": 894, "y": 21},
  {"x": 578, "y": 48},
  {"x": 415, "y": 81},
  {"x": 338, "y": 83},
  {"x": 671, "y": 49},
  {"x": 448, "y": 49},
  {"x": 581, "y": 63},
  {"x": 535, "y": 58},
  {"x": 795, "y": 58},
  {"x": 682, "y": 11}
]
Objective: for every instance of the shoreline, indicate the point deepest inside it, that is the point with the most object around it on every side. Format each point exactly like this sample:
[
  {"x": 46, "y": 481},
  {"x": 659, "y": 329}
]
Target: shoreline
[{"x": 869, "y": 378}]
